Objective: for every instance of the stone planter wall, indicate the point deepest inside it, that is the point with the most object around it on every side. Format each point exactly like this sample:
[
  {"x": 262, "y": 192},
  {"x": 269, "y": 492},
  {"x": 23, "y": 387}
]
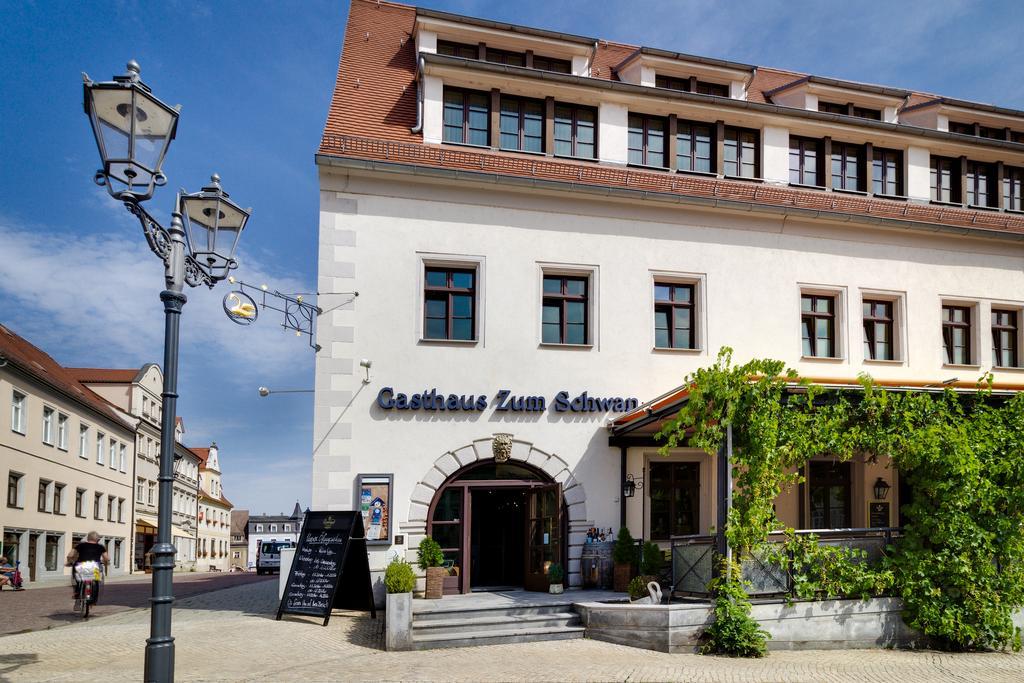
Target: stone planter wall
[{"x": 398, "y": 622}]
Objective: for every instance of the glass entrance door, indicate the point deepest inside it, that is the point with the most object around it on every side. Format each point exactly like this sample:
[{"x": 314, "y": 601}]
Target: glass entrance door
[{"x": 544, "y": 534}]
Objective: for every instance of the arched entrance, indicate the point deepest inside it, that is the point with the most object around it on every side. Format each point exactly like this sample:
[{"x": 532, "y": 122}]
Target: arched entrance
[{"x": 500, "y": 525}]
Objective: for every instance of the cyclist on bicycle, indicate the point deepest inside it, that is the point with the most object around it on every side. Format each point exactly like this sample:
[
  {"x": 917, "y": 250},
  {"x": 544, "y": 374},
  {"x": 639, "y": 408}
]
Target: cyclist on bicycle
[{"x": 88, "y": 556}]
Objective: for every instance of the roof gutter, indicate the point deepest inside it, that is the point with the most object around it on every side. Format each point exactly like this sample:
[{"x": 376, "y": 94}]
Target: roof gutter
[
  {"x": 725, "y": 102},
  {"x": 419, "y": 96},
  {"x": 664, "y": 197}
]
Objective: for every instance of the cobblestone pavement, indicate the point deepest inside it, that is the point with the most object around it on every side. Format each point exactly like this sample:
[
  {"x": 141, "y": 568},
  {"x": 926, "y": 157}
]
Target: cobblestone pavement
[
  {"x": 39, "y": 608},
  {"x": 230, "y": 635}
]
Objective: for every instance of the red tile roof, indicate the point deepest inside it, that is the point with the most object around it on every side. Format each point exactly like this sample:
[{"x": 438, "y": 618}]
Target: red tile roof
[
  {"x": 374, "y": 106},
  {"x": 104, "y": 375},
  {"x": 32, "y": 360},
  {"x": 202, "y": 454}
]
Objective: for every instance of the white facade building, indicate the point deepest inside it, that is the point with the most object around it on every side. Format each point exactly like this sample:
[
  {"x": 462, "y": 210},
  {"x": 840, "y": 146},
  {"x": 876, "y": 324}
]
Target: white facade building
[{"x": 554, "y": 280}]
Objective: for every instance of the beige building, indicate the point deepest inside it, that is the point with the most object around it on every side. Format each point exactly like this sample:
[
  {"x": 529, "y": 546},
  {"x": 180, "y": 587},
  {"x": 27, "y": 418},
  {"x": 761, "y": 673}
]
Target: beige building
[
  {"x": 68, "y": 457},
  {"x": 214, "y": 521},
  {"x": 240, "y": 539},
  {"x": 135, "y": 393}
]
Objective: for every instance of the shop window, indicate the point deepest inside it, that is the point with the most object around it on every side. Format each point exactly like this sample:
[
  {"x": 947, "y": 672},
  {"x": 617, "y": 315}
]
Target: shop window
[
  {"x": 829, "y": 486},
  {"x": 741, "y": 153},
  {"x": 565, "y": 315},
  {"x": 117, "y": 554},
  {"x": 818, "y": 325},
  {"x": 15, "y": 480},
  {"x": 956, "y": 334},
  {"x": 467, "y": 117},
  {"x": 674, "y": 316},
  {"x": 51, "y": 553},
  {"x": 575, "y": 131},
  {"x": 1004, "y": 338},
  {"x": 674, "y": 490},
  {"x": 449, "y": 303}
]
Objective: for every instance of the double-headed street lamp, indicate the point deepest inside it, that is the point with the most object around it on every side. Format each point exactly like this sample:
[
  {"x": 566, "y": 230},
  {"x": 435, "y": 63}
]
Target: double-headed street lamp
[{"x": 133, "y": 130}]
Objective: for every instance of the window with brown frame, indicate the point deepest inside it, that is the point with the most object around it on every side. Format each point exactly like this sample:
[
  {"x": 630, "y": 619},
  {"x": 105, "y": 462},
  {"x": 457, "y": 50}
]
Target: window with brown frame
[
  {"x": 741, "y": 153},
  {"x": 847, "y": 167},
  {"x": 716, "y": 89},
  {"x": 991, "y": 133},
  {"x": 1013, "y": 188},
  {"x": 449, "y": 303},
  {"x": 452, "y": 49},
  {"x": 867, "y": 113},
  {"x": 506, "y": 57},
  {"x": 956, "y": 334},
  {"x": 575, "y": 131},
  {"x": 980, "y": 184},
  {"x": 887, "y": 172},
  {"x": 467, "y": 117},
  {"x": 691, "y": 85},
  {"x": 961, "y": 128},
  {"x": 945, "y": 180},
  {"x": 804, "y": 158},
  {"x": 79, "y": 502},
  {"x": 675, "y": 497},
  {"x": 647, "y": 140},
  {"x": 1016, "y": 136},
  {"x": 818, "y": 323},
  {"x": 674, "y": 321},
  {"x": 521, "y": 124},
  {"x": 672, "y": 83},
  {"x": 97, "y": 501},
  {"x": 564, "y": 317},
  {"x": 878, "y": 330},
  {"x": 1004, "y": 338},
  {"x": 58, "y": 499},
  {"x": 13, "y": 488},
  {"x": 833, "y": 108},
  {"x": 44, "y": 488},
  {"x": 559, "y": 66},
  {"x": 695, "y": 147}
]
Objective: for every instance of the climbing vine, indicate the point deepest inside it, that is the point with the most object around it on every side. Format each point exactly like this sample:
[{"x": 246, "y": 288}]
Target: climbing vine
[{"x": 959, "y": 566}]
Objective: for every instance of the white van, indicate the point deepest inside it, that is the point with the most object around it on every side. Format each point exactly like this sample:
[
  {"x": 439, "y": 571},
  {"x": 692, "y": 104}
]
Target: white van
[{"x": 268, "y": 556}]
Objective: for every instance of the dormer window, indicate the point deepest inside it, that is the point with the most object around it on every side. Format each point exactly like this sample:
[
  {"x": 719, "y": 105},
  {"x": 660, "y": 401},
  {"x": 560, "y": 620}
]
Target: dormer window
[
  {"x": 447, "y": 47},
  {"x": 981, "y": 184},
  {"x": 466, "y": 117},
  {"x": 521, "y": 124},
  {"x": 505, "y": 57},
  {"x": 849, "y": 109},
  {"x": 561, "y": 66},
  {"x": 691, "y": 85},
  {"x": 887, "y": 172},
  {"x": 647, "y": 140}
]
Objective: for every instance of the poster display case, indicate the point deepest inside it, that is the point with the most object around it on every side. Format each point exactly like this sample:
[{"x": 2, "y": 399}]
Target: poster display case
[{"x": 375, "y": 492}]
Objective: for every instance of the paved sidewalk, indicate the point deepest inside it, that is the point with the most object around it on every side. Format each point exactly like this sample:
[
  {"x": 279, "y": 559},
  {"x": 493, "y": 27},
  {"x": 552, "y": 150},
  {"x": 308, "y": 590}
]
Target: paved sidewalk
[
  {"x": 43, "y": 607},
  {"x": 230, "y": 635}
]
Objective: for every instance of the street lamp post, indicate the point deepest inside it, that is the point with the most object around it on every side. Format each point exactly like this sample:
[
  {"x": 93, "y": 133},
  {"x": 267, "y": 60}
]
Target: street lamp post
[{"x": 133, "y": 130}]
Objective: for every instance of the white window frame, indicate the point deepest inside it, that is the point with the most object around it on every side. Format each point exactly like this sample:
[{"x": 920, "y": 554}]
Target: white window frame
[
  {"x": 592, "y": 273},
  {"x": 901, "y": 346},
  {"x": 140, "y": 486},
  {"x": 62, "y": 431},
  {"x": 978, "y": 313},
  {"x": 122, "y": 457},
  {"x": 83, "y": 441},
  {"x": 699, "y": 283},
  {"x": 466, "y": 262},
  {"x": 101, "y": 440},
  {"x": 19, "y": 411},
  {"x": 150, "y": 491},
  {"x": 48, "y": 414},
  {"x": 842, "y": 343},
  {"x": 259, "y": 529},
  {"x": 113, "y": 453},
  {"x": 273, "y": 528}
]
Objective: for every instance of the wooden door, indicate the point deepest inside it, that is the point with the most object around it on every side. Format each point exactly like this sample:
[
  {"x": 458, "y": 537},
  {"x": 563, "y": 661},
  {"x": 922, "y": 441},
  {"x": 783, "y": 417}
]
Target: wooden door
[
  {"x": 543, "y": 534},
  {"x": 33, "y": 541}
]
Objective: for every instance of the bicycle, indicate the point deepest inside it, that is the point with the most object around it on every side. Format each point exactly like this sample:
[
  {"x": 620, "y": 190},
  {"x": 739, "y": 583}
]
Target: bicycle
[{"x": 86, "y": 573}]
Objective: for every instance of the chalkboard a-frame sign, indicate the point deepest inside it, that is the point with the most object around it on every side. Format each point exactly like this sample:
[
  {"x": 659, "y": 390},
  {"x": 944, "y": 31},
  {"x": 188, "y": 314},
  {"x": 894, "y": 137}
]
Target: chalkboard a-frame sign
[{"x": 330, "y": 569}]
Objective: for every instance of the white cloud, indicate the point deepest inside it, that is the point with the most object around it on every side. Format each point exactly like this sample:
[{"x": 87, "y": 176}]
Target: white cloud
[{"x": 93, "y": 299}]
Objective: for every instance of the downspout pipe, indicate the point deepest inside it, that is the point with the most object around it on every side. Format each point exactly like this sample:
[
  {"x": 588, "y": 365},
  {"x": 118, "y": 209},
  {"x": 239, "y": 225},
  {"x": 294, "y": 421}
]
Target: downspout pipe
[
  {"x": 622, "y": 479},
  {"x": 419, "y": 96}
]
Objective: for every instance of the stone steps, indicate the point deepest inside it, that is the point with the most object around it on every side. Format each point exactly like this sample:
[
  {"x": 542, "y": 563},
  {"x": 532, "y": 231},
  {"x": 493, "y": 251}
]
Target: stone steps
[{"x": 495, "y": 625}]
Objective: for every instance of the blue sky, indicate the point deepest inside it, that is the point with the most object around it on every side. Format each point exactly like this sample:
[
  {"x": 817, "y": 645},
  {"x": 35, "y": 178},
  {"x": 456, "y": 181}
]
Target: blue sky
[{"x": 254, "y": 80}]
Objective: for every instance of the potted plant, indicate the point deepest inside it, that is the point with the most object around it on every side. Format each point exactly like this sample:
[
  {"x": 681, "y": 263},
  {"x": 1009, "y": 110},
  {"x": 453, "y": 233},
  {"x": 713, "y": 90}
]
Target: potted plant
[
  {"x": 652, "y": 559},
  {"x": 399, "y": 580},
  {"x": 430, "y": 558},
  {"x": 623, "y": 556},
  {"x": 555, "y": 576}
]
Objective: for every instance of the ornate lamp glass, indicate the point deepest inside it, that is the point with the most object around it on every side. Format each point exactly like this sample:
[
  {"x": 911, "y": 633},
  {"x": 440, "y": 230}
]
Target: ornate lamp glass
[
  {"x": 133, "y": 130},
  {"x": 628, "y": 487},
  {"x": 881, "y": 489},
  {"x": 213, "y": 226}
]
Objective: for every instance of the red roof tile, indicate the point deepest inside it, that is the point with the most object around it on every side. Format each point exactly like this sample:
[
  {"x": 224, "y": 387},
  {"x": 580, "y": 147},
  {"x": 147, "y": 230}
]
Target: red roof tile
[
  {"x": 104, "y": 375},
  {"x": 32, "y": 360}
]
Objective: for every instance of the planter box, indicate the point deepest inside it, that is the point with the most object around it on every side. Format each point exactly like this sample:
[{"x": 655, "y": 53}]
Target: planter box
[
  {"x": 398, "y": 622},
  {"x": 556, "y": 588},
  {"x": 435, "y": 583},
  {"x": 621, "y": 577}
]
